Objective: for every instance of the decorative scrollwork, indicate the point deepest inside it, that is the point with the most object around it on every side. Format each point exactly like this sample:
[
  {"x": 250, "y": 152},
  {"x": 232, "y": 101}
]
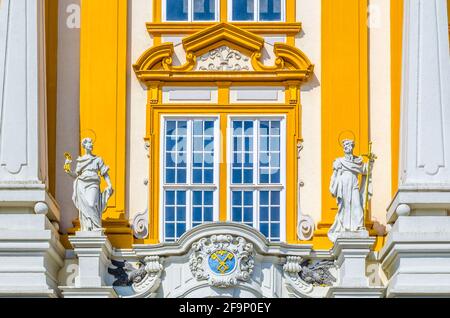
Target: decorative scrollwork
[
  {"x": 223, "y": 260},
  {"x": 304, "y": 275},
  {"x": 224, "y": 59},
  {"x": 144, "y": 279},
  {"x": 140, "y": 225},
  {"x": 305, "y": 228}
]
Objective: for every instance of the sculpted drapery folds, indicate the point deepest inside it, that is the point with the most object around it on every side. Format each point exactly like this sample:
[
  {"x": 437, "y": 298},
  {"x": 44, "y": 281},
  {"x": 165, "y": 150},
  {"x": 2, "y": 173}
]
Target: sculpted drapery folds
[
  {"x": 350, "y": 196},
  {"x": 87, "y": 196}
]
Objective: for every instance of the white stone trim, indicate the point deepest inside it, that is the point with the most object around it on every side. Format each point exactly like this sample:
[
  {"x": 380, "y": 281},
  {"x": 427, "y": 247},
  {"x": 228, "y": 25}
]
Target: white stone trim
[
  {"x": 257, "y": 94},
  {"x": 190, "y": 95}
]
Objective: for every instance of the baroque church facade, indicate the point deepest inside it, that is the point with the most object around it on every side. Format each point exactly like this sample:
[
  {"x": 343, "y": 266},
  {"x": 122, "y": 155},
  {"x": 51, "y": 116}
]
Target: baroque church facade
[{"x": 224, "y": 148}]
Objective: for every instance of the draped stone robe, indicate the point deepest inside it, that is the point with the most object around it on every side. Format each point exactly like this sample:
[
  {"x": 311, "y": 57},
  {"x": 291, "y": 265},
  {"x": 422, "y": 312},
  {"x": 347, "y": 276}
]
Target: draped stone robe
[
  {"x": 87, "y": 197},
  {"x": 344, "y": 186}
]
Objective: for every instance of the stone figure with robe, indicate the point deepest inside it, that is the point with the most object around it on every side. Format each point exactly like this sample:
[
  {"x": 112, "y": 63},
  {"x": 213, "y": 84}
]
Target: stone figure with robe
[
  {"x": 87, "y": 196},
  {"x": 349, "y": 193}
]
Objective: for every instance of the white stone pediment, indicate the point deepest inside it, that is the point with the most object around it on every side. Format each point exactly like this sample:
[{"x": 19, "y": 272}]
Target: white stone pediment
[{"x": 224, "y": 58}]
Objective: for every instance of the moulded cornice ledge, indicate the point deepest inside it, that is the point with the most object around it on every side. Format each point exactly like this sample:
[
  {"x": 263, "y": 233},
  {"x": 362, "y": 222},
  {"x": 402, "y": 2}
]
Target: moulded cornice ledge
[{"x": 159, "y": 28}]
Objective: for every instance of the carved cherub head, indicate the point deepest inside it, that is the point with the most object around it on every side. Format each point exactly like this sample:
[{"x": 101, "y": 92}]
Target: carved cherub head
[{"x": 348, "y": 146}]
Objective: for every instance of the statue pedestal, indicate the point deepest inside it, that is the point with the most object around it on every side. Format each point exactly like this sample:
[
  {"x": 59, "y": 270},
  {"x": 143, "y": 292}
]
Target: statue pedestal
[
  {"x": 93, "y": 251},
  {"x": 351, "y": 250}
]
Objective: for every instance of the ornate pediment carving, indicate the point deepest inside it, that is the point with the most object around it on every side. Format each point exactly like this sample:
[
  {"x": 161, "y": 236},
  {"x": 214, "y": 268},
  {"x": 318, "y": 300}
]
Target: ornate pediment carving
[
  {"x": 224, "y": 58},
  {"x": 226, "y": 52}
]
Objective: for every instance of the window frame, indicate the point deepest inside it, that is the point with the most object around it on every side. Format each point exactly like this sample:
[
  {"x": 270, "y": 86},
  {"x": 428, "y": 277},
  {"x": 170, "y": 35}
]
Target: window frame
[
  {"x": 257, "y": 187},
  {"x": 256, "y": 13},
  {"x": 190, "y": 12},
  {"x": 189, "y": 187}
]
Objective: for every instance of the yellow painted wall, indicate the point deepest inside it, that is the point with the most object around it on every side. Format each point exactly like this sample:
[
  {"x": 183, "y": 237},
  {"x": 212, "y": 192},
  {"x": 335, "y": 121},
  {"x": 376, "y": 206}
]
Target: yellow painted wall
[
  {"x": 103, "y": 71},
  {"x": 344, "y": 92}
]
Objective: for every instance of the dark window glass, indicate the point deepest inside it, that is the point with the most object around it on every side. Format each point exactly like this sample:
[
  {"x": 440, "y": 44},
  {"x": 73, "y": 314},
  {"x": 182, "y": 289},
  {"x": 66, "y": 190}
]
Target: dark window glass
[
  {"x": 204, "y": 10},
  {"x": 243, "y": 10},
  {"x": 270, "y": 10},
  {"x": 177, "y": 10}
]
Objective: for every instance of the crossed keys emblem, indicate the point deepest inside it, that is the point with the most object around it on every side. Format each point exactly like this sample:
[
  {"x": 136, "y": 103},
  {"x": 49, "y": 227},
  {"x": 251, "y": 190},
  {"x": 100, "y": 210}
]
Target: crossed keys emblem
[{"x": 223, "y": 258}]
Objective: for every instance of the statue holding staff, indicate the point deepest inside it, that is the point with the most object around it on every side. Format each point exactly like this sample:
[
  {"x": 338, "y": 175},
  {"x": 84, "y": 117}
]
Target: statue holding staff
[
  {"x": 87, "y": 196},
  {"x": 352, "y": 198}
]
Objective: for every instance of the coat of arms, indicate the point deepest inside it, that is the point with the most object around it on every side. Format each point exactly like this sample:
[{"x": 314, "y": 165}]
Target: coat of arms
[{"x": 223, "y": 260}]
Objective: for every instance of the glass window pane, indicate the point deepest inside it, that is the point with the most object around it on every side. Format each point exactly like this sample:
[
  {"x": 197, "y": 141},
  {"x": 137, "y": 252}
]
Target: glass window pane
[
  {"x": 275, "y": 198},
  {"x": 181, "y": 228},
  {"x": 248, "y": 215},
  {"x": 170, "y": 231},
  {"x": 208, "y": 200},
  {"x": 197, "y": 176},
  {"x": 275, "y": 231},
  {"x": 269, "y": 152},
  {"x": 170, "y": 214},
  {"x": 270, "y": 10},
  {"x": 181, "y": 214},
  {"x": 242, "y": 152},
  {"x": 242, "y": 207},
  {"x": 203, "y": 156},
  {"x": 197, "y": 215},
  {"x": 264, "y": 214},
  {"x": 181, "y": 198},
  {"x": 237, "y": 198},
  {"x": 237, "y": 215},
  {"x": 171, "y": 127},
  {"x": 209, "y": 176},
  {"x": 248, "y": 176},
  {"x": 243, "y": 10},
  {"x": 175, "y": 147},
  {"x": 275, "y": 214},
  {"x": 203, "y": 208},
  {"x": 170, "y": 175},
  {"x": 204, "y": 10},
  {"x": 170, "y": 197},
  {"x": 177, "y": 10},
  {"x": 181, "y": 176},
  {"x": 264, "y": 229},
  {"x": 208, "y": 217},
  {"x": 270, "y": 214}
]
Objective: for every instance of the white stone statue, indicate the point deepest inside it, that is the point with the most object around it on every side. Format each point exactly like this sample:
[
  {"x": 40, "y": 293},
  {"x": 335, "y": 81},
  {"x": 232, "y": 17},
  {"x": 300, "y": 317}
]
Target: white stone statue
[
  {"x": 351, "y": 197},
  {"x": 87, "y": 196}
]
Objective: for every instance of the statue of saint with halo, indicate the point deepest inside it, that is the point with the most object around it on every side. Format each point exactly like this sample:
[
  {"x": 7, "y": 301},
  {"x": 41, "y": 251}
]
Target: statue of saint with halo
[
  {"x": 87, "y": 196},
  {"x": 351, "y": 197}
]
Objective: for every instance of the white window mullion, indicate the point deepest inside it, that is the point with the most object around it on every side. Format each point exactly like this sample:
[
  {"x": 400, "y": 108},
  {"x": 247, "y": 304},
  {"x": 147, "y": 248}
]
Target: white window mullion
[
  {"x": 217, "y": 154},
  {"x": 191, "y": 10},
  {"x": 256, "y": 13},
  {"x": 189, "y": 192},
  {"x": 256, "y": 173},
  {"x": 256, "y": 152}
]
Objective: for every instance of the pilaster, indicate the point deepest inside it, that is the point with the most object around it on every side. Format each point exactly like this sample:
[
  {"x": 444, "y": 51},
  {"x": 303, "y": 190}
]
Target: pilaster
[
  {"x": 30, "y": 252},
  {"x": 415, "y": 255}
]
